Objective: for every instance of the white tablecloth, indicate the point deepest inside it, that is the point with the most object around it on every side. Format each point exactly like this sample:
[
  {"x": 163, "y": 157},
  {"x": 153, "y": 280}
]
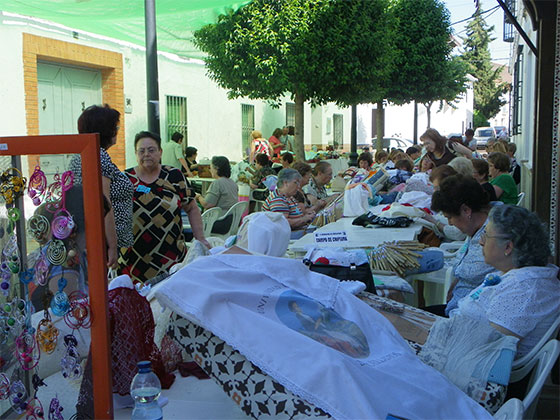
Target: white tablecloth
[{"x": 358, "y": 236}]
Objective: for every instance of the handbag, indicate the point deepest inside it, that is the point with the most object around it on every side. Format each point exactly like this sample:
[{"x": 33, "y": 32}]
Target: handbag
[{"x": 361, "y": 273}]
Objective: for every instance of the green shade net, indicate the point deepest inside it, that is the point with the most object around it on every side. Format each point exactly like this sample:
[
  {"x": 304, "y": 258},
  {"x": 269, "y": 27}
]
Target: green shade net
[{"x": 124, "y": 19}]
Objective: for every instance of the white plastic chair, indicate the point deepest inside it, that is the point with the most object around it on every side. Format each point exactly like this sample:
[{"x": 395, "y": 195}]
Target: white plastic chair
[
  {"x": 551, "y": 333},
  {"x": 258, "y": 203},
  {"x": 236, "y": 211},
  {"x": 520, "y": 198},
  {"x": 511, "y": 410},
  {"x": 543, "y": 363},
  {"x": 208, "y": 219}
]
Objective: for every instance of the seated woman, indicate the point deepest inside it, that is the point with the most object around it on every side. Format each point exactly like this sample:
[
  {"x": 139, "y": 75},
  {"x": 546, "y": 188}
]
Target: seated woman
[
  {"x": 304, "y": 203},
  {"x": 480, "y": 173},
  {"x": 381, "y": 158},
  {"x": 223, "y": 191},
  {"x": 465, "y": 205},
  {"x": 501, "y": 180},
  {"x": 263, "y": 169},
  {"x": 525, "y": 299},
  {"x": 281, "y": 200},
  {"x": 365, "y": 161}
]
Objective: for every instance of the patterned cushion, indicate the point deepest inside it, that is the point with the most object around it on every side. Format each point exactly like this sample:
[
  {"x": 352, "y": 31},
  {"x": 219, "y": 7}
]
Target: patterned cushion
[{"x": 258, "y": 395}]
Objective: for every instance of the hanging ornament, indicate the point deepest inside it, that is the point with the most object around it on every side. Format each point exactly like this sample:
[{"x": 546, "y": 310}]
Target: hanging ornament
[
  {"x": 37, "y": 187},
  {"x": 27, "y": 350},
  {"x": 12, "y": 185},
  {"x": 41, "y": 270},
  {"x": 60, "y": 304},
  {"x": 79, "y": 315},
  {"x": 39, "y": 228},
  {"x": 56, "y": 252},
  {"x": 62, "y": 224},
  {"x": 4, "y": 387},
  {"x": 18, "y": 396},
  {"x": 55, "y": 410},
  {"x": 70, "y": 363},
  {"x": 47, "y": 334},
  {"x": 34, "y": 410}
]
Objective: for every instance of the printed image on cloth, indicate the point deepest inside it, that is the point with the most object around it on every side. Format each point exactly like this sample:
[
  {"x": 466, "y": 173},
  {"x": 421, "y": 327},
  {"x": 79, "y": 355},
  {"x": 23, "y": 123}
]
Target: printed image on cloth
[{"x": 312, "y": 319}]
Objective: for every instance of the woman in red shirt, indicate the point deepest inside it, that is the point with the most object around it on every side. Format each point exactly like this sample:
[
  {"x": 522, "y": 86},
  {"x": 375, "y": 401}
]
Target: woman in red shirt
[{"x": 275, "y": 142}]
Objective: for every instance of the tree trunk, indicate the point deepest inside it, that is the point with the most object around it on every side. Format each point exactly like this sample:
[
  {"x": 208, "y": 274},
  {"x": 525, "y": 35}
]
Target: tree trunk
[
  {"x": 380, "y": 115},
  {"x": 298, "y": 137},
  {"x": 415, "y": 129},
  {"x": 428, "y": 106}
]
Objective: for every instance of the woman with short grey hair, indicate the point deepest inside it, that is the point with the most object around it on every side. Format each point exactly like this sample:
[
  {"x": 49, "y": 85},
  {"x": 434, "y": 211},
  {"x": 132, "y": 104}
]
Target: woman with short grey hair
[
  {"x": 523, "y": 299},
  {"x": 281, "y": 200}
]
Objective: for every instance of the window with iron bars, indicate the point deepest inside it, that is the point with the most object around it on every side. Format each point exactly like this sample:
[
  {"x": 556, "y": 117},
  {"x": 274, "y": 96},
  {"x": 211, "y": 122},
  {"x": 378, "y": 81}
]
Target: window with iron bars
[
  {"x": 516, "y": 111},
  {"x": 290, "y": 114},
  {"x": 509, "y": 32},
  {"x": 247, "y": 126},
  {"x": 177, "y": 117}
]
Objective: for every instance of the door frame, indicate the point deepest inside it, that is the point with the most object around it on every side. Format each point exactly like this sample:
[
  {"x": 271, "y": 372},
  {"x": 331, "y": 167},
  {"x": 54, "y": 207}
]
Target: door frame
[{"x": 66, "y": 53}]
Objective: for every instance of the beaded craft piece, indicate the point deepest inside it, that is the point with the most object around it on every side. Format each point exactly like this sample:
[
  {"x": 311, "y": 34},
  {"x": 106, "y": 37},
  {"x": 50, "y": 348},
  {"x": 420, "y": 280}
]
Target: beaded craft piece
[
  {"x": 37, "y": 187},
  {"x": 12, "y": 185},
  {"x": 70, "y": 363}
]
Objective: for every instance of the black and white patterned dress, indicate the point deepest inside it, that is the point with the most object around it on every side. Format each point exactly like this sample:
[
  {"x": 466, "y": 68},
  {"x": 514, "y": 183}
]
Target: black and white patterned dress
[{"x": 121, "y": 192}]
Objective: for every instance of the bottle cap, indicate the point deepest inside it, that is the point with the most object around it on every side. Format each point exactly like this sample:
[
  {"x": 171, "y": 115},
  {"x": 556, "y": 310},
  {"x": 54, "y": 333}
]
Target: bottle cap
[{"x": 144, "y": 366}]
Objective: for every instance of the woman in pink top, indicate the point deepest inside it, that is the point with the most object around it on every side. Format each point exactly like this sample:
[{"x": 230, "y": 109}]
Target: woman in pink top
[{"x": 275, "y": 142}]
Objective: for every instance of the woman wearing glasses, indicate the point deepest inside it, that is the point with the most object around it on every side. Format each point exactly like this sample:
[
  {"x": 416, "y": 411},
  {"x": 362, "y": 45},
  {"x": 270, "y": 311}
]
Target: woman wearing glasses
[
  {"x": 523, "y": 300},
  {"x": 160, "y": 192}
]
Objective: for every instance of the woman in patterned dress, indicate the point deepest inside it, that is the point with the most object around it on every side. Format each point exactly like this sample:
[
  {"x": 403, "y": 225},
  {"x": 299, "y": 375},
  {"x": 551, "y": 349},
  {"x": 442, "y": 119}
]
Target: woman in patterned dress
[
  {"x": 160, "y": 192},
  {"x": 117, "y": 189}
]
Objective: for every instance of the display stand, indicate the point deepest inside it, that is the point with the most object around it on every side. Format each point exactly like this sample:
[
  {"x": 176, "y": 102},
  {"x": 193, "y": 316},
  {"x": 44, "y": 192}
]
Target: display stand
[{"x": 87, "y": 146}]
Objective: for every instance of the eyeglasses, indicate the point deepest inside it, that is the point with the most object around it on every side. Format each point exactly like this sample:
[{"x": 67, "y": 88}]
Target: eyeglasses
[
  {"x": 485, "y": 236},
  {"x": 149, "y": 151}
]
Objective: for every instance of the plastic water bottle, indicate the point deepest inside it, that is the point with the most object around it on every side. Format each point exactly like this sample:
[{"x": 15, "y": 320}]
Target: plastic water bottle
[{"x": 145, "y": 389}]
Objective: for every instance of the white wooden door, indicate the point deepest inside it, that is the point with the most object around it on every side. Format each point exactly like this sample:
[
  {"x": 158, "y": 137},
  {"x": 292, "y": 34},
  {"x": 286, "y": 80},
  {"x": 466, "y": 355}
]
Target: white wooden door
[{"x": 64, "y": 92}]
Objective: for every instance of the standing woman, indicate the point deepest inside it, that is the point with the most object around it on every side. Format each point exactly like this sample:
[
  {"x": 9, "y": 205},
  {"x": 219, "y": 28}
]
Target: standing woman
[
  {"x": 440, "y": 150},
  {"x": 275, "y": 142},
  {"x": 160, "y": 192},
  {"x": 259, "y": 145},
  {"x": 117, "y": 189}
]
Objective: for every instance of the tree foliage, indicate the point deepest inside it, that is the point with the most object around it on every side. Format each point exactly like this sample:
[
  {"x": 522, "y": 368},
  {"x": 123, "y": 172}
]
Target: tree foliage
[
  {"x": 425, "y": 71},
  {"x": 317, "y": 50},
  {"x": 487, "y": 89}
]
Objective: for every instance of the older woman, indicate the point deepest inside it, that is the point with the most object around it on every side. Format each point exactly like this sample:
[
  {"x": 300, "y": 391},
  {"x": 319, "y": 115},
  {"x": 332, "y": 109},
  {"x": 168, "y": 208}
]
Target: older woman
[
  {"x": 305, "y": 171},
  {"x": 480, "y": 173},
  {"x": 223, "y": 191},
  {"x": 116, "y": 186},
  {"x": 281, "y": 200},
  {"x": 321, "y": 175},
  {"x": 465, "y": 205},
  {"x": 525, "y": 299},
  {"x": 440, "y": 150},
  {"x": 160, "y": 192},
  {"x": 501, "y": 180}
]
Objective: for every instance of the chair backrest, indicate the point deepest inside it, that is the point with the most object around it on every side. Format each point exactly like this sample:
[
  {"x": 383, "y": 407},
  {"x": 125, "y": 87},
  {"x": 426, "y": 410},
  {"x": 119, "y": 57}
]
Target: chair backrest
[
  {"x": 552, "y": 332},
  {"x": 511, "y": 410},
  {"x": 235, "y": 211},
  {"x": 208, "y": 219},
  {"x": 520, "y": 198},
  {"x": 543, "y": 363}
]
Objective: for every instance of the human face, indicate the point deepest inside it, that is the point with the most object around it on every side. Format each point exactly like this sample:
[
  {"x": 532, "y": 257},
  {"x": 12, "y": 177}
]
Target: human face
[
  {"x": 462, "y": 221},
  {"x": 305, "y": 179},
  {"x": 429, "y": 145},
  {"x": 213, "y": 171},
  {"x": 148, "y": 154},
  {"x": 492, "y": 170},
  {"x": 479, "y": 177},
  {"x": 363, "y": 164},
  {"x": 427, "y": 164},
  {"x": 495, "y": 247},
  {"x": 324, "y": 177},
  {"x": 289, "y": 189}
]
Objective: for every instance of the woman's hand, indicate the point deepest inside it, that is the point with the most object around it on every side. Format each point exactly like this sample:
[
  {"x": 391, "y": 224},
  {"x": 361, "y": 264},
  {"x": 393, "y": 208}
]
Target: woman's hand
[{"x": 205, "y": 242}]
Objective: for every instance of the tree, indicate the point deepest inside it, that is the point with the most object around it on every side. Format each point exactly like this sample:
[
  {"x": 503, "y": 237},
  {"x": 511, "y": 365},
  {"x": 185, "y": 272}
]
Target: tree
[
  {"x": 487, "y": 89},
  {"x": 316, "y": 50},
  {"x": 425, "y": 71}
]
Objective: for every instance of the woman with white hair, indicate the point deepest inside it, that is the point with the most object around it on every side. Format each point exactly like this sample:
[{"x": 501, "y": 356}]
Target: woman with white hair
[
  {"x": 282, "y": 200},
  {"x": 462, "y": 165}
]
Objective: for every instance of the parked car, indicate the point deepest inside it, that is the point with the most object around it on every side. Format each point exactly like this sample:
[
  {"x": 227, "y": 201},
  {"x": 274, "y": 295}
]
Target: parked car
[
  {"x": 389, "y": 143},
  {"x": 483, "y": 134}
]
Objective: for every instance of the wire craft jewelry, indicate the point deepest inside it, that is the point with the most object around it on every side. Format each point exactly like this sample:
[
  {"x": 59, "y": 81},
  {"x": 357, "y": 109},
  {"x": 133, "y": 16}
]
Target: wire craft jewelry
[
  {"x": 47, "y": 334},
  {"x": 4, "y": 387},
  {"x": 55, "y": 410},
  {"x": 70, "y": 363},
  {"x": 79, "y": 315},
  {"x": 37, "y": 187},
  {"x": 12, "y": 185},
  {"x": 56, "y": 252},
  {"x": 60, "y": 305},
  {"x": 18, "y": 396},
  {"x": 39, "y": 228},
  {"x": 27, "y": 350}
]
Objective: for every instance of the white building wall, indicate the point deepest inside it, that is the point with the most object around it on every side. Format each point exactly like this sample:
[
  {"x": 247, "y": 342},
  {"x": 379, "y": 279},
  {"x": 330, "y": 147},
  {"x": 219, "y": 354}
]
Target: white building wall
[{"x": 214, "y": 121}]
